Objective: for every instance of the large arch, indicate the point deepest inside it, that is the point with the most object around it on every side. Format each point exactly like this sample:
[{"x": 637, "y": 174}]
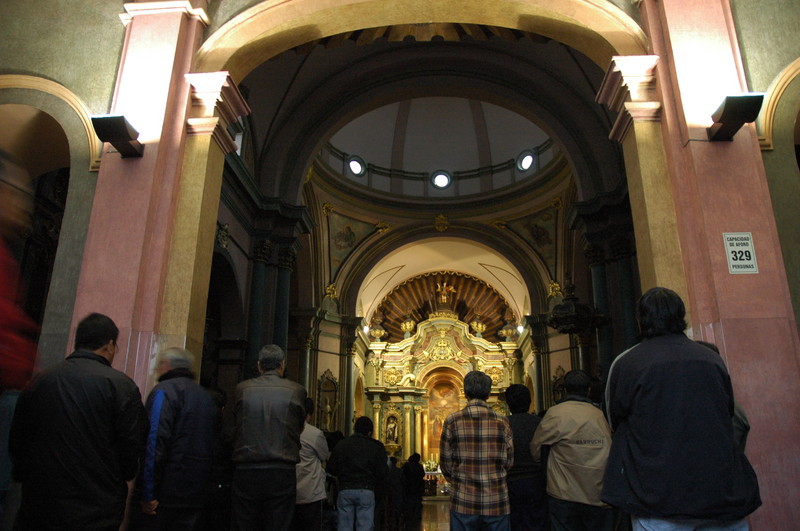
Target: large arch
[
  {"x": 600, "y": 30},
  {"x": 72, "y": 115}
]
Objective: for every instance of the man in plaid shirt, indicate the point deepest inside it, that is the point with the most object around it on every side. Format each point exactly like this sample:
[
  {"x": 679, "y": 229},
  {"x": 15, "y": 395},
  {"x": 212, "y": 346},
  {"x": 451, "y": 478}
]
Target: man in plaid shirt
[{"x": 476, "y": 451}]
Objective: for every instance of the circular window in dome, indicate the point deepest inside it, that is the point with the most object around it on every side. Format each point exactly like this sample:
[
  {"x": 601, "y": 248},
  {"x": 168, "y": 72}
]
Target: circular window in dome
[
  {"x": 525, "y": 160},
  {"x": 441, "y": 179},
  {"x": 356, "y": 165}
]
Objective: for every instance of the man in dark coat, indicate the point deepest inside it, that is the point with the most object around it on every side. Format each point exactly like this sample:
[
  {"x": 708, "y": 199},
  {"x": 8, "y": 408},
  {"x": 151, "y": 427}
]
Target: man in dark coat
[
  {"x": 77, "y": 436},
  {"x": 414, "y": 489},
  {"x": 526, "y": 480},
  {"x": 359, "y": 463},
  {"x": 674, "y": 463},
  {"x": 174, "y": 483}
]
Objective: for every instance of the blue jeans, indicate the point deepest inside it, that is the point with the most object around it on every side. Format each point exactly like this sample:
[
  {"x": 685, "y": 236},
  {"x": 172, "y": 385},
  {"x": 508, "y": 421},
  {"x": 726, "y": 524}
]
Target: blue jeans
[
  {"x": 356, "y": 507},
  {"x": 659, "y": 524},
  {"x": 479, "y": 522}
]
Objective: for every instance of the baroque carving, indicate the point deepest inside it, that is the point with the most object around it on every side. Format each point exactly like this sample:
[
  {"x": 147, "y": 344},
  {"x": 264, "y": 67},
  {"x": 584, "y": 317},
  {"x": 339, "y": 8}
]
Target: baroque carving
[
  {"x": 392, "y": 376},
  {"x": 223, "y": 235},
  {"x": 496, "y": 374}
]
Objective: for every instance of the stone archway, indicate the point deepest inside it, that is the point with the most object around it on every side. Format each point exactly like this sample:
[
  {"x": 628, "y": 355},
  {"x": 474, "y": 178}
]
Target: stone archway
[{"x": 82, "y": 151}]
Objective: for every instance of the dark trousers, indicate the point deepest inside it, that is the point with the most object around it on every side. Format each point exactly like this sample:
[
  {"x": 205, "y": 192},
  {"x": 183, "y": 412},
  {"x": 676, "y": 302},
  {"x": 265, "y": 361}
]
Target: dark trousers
[
  {"x": 263, "y": 499},
  {"x": 166, "y": 519},
  {"x": 572, "y": 516},
  {"x": 528, "y": 504},
  {"x": 307, "y": 516}
]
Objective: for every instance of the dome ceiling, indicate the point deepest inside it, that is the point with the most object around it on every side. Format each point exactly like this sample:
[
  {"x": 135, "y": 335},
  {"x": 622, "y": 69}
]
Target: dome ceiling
[{"x": 427, "y": 134}]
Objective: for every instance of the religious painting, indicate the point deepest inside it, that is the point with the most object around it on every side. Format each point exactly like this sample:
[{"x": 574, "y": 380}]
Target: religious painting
[
  {"x": 442, "y": 400},
  {"x": 344, "y": 235},
  {"x": 539, "y": 231}
]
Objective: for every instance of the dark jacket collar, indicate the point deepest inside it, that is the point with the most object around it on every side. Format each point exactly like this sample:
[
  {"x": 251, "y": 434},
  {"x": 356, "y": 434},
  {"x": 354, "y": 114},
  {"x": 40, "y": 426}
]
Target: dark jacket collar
[
  {"x": 88, "y": 355},
  {"x": 176, "y": 373}
]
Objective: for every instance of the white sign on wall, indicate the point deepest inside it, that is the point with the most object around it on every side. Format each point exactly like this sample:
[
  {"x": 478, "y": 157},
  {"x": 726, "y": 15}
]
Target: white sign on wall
[{"x": 741, "y": 252}]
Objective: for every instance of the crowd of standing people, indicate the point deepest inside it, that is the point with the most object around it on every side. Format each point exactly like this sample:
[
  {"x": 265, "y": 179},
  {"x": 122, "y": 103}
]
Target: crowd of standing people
[{"x": 663, "y": 452}]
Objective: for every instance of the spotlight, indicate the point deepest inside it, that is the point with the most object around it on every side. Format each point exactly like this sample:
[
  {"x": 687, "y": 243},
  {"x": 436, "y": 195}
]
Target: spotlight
[
  {"x": 732, "y": 114},
  {"x": 119, "y": 133}
]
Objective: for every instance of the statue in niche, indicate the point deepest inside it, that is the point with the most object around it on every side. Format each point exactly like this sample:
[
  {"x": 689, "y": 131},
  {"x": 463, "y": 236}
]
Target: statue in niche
[{"x": 391, "y": 430}]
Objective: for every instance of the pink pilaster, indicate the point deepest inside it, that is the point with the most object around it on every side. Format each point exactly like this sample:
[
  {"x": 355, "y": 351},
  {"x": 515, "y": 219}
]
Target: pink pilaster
[
  {"x": 721, "y": 187},
  {"x": 128, "y": 241}
]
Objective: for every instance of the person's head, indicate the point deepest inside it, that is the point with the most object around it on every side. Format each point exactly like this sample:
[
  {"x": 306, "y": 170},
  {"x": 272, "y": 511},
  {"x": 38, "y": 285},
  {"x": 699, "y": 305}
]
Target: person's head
[
  {"x": 97, "y": 333},
  {"x": 478, "y": 385},
  {"x": 174, "y": 358},
  {"x": 518, "y": 398},
  {"x": 577, "y": 382},
  {"x": 364, "y": 426},
  {"x": 414, "y": 458},
  {"x": 660, "y": 312},
  {"x": 393, "y": 461},
  {"x": 272, "y": 358},
  {"x": 309, "y": 407},
  {"x": 16, "y": 197}
]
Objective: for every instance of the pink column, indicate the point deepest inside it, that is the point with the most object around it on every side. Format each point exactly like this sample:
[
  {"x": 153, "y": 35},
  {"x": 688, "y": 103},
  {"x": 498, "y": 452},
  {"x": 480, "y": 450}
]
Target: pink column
[
  {"x": 721, "y": 187},
  {"x": 128, "y": 241}
]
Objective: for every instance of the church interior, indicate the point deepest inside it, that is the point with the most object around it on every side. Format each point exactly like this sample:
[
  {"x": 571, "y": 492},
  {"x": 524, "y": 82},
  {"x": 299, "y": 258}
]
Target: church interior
[{"x": 398, "y": 193}]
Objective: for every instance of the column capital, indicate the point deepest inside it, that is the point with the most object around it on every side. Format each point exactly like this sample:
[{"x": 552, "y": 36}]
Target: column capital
[
  {"x": 134, "y": 9},
  {"x": 595, "y": 254},
  {"x": 216, "y": 104},
  {"x": 629, "y": 88},
  {"x": 262, "y": 251},
  {"x": 287, "y": 257}
]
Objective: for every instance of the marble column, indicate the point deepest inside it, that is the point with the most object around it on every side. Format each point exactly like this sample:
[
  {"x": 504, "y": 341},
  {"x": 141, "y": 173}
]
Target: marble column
[
  {"x": 407, "y": 433},
  {"x": 349, "y": 390},
  {"x": 418, "y": 429},
  {"x": 165, "y": 201},
  {"x": 286, "y": 259},
  {"x": 262, "y": 252},
  {"x": 597, "y": 264},
  {"x": 621, "y": 254}
]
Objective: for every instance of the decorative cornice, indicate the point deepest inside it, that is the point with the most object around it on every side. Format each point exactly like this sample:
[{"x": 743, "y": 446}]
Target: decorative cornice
[
  {"x": 12, "y": 81},
  {"x": 159, "y": 8},
  {"x": 216, "y": 104},
  {"x": 629, "y": 88}
]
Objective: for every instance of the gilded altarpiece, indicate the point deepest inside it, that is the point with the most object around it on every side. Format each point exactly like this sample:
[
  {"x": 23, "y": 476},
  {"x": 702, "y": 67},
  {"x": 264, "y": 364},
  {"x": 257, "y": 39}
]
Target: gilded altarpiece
[{"x": 415, "y": 383}]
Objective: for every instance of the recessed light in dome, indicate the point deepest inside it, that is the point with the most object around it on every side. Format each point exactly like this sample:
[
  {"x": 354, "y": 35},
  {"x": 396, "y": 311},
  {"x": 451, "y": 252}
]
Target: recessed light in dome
[
  {"x": 525, "y": 160},
  {"x": 441, "y": 179},
  {"x": 356, "y": 165}
]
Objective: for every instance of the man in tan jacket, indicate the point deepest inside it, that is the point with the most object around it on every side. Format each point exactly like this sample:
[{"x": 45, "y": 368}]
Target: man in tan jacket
[{"x": 579, "y": 439}]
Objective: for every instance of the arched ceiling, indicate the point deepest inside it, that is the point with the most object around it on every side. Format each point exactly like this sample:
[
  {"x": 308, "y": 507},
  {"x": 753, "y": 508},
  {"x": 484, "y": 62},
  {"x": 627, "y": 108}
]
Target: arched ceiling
[
  {"x": 471, "y": 299},
  {"x": 485, "y": 275}
]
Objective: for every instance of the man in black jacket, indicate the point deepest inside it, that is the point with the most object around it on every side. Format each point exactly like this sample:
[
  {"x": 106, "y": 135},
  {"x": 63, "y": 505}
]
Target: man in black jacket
[
  {"x": 77, "y": 436},
  {"x": 359, "y": 463},
  {"x": 173, "y": 484},
  {"x": 674, "y": 463}
]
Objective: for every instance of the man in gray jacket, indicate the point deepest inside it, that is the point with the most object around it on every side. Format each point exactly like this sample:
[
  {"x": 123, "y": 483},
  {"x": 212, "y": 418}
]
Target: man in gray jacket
[{"x": 269, "y": 415}]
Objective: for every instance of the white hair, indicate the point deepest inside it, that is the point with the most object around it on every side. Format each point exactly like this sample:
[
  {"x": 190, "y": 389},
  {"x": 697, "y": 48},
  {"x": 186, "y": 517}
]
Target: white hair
[{"x": 178, "y": 358}]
